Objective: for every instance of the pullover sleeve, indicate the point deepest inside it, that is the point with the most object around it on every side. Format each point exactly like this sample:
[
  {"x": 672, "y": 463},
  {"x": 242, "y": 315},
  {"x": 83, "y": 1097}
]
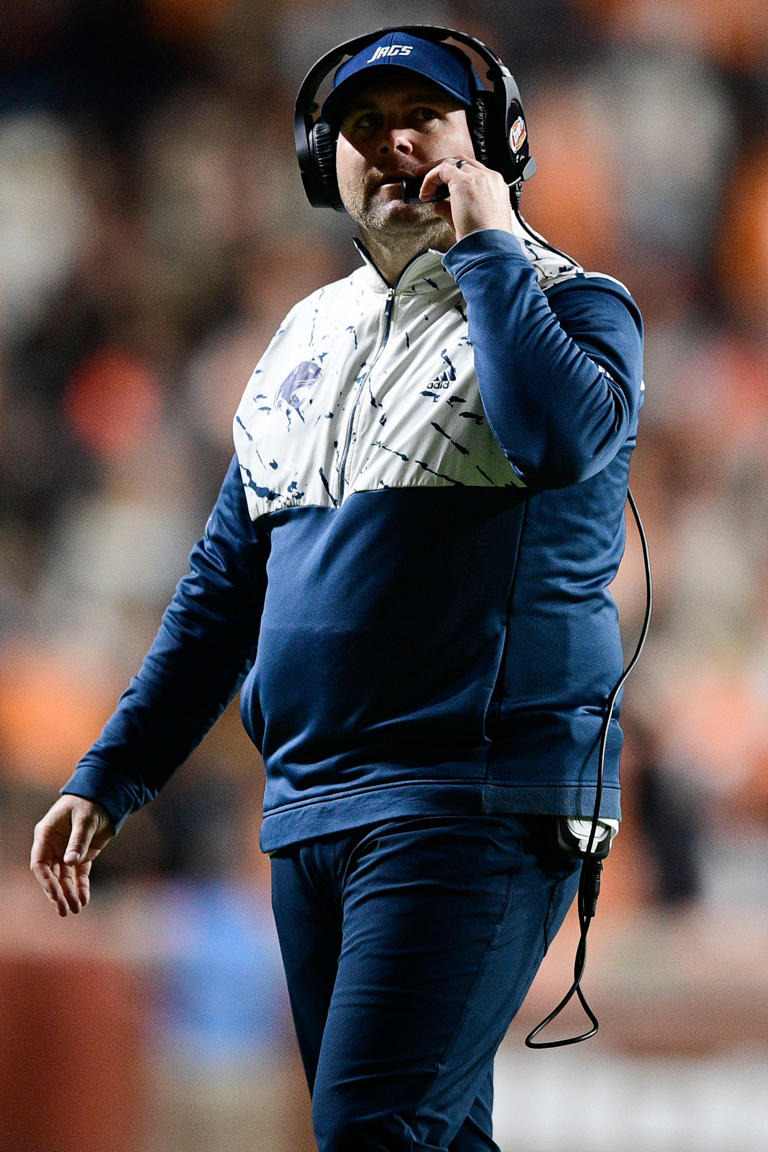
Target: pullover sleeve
[
  {"x": 205, "y": 646},
  {"x": 560, "y": 374}
]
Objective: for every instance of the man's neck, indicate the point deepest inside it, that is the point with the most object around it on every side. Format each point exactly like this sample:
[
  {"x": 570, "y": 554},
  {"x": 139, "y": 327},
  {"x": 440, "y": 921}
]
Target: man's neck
[{"x": 392, "y": 258}]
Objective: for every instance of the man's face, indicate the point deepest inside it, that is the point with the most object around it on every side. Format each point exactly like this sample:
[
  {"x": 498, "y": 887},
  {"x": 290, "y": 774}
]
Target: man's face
[{"x": 397, "y": 126}]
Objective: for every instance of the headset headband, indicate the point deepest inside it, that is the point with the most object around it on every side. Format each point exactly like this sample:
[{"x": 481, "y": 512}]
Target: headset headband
[{"x": 497, "y": 124}]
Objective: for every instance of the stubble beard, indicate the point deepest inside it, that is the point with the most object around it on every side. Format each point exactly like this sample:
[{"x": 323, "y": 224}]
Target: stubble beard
[{"x": 397, "y": 229}]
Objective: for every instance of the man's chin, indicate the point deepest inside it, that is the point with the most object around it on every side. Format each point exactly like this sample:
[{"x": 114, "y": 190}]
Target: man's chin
[{"x": 388, "y": 209}]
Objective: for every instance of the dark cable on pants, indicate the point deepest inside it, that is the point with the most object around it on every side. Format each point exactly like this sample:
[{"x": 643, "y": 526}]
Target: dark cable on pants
[{"x": 592, "y": 860}]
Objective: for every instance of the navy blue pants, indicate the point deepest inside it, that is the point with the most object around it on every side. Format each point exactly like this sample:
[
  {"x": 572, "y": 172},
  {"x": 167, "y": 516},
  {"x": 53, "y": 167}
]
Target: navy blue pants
[{"x": 408, "y": 948}]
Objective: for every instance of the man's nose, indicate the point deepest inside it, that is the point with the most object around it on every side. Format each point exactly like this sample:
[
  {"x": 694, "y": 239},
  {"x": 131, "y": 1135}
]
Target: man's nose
[{"x": 395, "y": 139}]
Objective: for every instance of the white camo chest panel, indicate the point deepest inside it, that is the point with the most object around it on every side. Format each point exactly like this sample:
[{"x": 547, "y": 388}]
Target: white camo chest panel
[{"x": 348, "y": 398}]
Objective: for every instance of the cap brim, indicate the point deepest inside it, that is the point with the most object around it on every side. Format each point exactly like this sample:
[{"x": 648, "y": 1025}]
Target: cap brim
[{"x": 333, "y": 108}]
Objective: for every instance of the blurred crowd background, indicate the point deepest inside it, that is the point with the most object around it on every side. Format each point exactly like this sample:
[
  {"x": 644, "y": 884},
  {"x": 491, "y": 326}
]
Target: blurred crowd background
[{"x": 153, "y": 232}]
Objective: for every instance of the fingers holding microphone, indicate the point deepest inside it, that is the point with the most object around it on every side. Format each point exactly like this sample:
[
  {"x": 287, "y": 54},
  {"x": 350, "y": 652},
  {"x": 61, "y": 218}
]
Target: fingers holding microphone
[{"x": 478, "y": 197}]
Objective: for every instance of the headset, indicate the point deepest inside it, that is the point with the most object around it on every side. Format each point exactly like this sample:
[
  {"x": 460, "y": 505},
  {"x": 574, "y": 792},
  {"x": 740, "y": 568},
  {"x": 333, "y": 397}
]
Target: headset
[{"x": 496, "y": 120}]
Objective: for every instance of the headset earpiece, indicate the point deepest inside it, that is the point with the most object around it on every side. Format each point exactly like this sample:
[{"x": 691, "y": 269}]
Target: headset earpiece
[
  {"x": 322, "y": 145},
  {"x": 478, "y": 126},
  {"x": 499, "y": 134}
]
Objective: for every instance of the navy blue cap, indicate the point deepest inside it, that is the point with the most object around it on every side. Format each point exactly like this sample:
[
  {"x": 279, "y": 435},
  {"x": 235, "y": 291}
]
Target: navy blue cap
[{"x": 444, "y": 65}]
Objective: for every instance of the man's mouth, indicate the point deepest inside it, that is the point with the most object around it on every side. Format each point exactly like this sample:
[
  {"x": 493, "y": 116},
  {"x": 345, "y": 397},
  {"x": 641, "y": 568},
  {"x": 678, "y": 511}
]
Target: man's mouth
[{"x": 394, "y": 178}]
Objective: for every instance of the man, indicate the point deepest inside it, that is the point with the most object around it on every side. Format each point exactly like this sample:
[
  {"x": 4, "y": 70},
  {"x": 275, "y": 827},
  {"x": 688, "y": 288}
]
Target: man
[{"x": 406, "y": 574}]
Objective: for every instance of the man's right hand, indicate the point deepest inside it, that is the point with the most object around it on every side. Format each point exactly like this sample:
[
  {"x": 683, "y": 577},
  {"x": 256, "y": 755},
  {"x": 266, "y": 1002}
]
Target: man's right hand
[{"x": 67, "y": 840}]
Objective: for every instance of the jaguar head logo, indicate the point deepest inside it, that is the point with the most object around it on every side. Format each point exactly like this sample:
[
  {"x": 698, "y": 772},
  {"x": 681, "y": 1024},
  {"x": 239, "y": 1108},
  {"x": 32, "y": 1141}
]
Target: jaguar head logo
[{"x": 297, "y": 386}]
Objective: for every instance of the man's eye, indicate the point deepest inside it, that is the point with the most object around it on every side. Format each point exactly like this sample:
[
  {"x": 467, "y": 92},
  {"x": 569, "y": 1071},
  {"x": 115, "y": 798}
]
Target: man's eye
[
  {"x": 368, "y": 121},
  {"x": 426, "y": 114}
]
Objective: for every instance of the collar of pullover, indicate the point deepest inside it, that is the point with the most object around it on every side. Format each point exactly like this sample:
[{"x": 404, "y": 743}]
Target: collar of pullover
[
  {"x": 422, "y": 275},
  {"x": 425, "y": 273}
]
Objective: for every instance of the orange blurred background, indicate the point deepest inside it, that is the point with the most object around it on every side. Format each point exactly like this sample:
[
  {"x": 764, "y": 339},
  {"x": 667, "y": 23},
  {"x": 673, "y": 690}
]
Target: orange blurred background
[{"x": 153, "y": 232}]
